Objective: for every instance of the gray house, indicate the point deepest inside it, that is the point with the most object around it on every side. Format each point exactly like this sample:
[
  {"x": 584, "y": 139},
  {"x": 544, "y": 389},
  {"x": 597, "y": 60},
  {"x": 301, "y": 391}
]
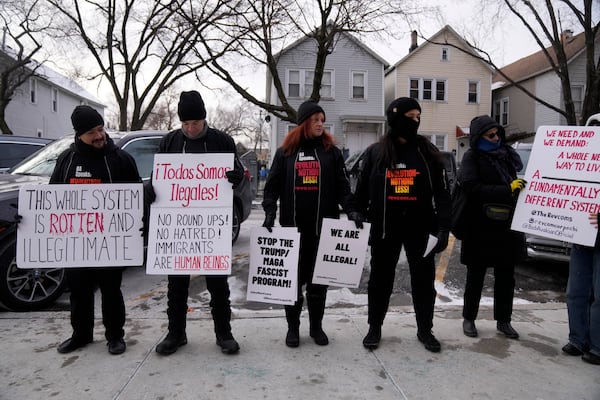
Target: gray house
[
  {"x": 351, "y": 94},
  {"x": 516, "y": 111},
  {"x": 42, "y": 106}
]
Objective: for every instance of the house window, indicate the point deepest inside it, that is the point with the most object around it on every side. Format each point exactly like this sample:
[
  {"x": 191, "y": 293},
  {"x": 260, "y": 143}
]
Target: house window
[
  {"x": 428, "y": 89},
  {"x": 358, "y": 85},
  {"x": 33, "y": 90},
  {"x": 473, "y": 92},
  {"x": 577, "y": 95},
  {"x": 501, "y": 111},
  {"x": 445, "y": 56},
  {"x": 294, "y": 84},
  {"x": 327, "y": 85},
  {"x": 439, "y": 140},
  {"x": 54, "y": 100}
]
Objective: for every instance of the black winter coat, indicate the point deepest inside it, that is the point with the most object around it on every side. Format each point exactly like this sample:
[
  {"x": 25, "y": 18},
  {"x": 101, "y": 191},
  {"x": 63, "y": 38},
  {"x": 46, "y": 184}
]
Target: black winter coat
[
  {"x": 334, "y": 188},
  {"x": 430, "y": 216}
]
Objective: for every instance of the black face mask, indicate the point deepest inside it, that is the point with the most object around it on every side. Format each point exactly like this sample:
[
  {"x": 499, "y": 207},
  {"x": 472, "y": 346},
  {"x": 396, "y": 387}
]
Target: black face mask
[{"x": 405, "y": 128}]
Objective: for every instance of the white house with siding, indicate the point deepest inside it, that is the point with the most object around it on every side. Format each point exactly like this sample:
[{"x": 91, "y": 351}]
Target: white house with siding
[
  {"x": 351, "y": 93},
  {"x": 451, "y": 86},
  {"x": 42, "y": 106}
]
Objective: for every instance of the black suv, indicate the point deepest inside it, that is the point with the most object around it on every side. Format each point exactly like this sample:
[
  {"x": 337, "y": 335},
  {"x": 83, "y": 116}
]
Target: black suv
[{"x": 31, "y": 289}]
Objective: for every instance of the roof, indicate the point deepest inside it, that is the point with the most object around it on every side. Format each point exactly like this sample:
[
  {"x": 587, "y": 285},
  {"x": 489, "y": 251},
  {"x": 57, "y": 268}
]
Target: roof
[
  {"x": 537, "y": 63},
  {"x": 54, "y": 77},
  {"x": 435, "y": 38}
]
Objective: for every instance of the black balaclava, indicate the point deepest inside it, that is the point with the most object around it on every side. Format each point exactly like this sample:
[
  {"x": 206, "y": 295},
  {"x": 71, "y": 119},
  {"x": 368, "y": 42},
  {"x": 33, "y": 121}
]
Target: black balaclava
[{"x": 401, "y": 125}]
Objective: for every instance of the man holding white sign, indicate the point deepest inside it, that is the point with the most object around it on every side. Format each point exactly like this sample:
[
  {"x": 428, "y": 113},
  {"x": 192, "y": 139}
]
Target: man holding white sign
[
  {"x": 92, "y": 159},
  {"x": 195, "y": 136}
]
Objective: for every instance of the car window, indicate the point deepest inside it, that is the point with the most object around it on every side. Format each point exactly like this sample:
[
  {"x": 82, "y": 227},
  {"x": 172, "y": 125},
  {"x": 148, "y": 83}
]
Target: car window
[
  {"x": 142, "y": 150},
  {"x": 42, "y": 163},
  {"x": 12, "y": 153},
  {"x": 524, "y": 153}
]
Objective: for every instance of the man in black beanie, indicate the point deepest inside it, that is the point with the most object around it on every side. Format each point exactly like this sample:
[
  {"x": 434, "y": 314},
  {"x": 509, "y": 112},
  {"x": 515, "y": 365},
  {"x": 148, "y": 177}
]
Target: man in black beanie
[
  {"x": 404, "y": 191},
  {"x": 94, "y": 158},
  {"x": 195, "y": 136}
]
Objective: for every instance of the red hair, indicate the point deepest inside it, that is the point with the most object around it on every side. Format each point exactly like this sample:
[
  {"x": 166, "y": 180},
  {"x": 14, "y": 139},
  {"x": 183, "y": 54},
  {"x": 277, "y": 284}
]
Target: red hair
[{"x": 291, "y": 142}]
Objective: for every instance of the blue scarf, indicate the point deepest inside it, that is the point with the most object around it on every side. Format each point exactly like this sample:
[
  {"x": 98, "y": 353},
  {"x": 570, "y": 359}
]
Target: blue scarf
[{"x": 485, "y": 145}]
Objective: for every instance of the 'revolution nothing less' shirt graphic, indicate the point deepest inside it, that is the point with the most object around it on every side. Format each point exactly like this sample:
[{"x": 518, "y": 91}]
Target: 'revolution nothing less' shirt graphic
[{"x": 306, "y": 186}]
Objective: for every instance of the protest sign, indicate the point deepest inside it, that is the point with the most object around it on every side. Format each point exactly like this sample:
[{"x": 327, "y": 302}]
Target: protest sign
[
  {"x": 80, "y": 226},
  {"x": 563, "y": 185},
  {"x": 190, "y": 221},
  {"x": 273, "y": 270},
  {"x": 341, "y": 253}
]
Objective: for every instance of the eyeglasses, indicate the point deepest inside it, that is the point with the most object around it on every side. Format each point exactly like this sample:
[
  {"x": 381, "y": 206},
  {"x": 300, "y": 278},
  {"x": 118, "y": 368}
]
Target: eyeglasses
[{"x": 490, "y": 135}]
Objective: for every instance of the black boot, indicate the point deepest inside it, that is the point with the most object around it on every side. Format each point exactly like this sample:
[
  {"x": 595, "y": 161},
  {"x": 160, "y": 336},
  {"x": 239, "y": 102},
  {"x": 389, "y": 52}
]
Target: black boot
[
  {"x": 507, "y": 329},
  {"x": 469, "y": 328},
  {"x": 171, "y": 343},
  {"x": 316, "y": 309},
  {"x": 371, "y": 341},
  {"x": 292, "y": 316},
  {"x": 227, "y": 343}
]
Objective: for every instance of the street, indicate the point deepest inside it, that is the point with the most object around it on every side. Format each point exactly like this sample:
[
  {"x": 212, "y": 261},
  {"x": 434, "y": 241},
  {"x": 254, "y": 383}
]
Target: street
[{"x": 536, "y": 282}]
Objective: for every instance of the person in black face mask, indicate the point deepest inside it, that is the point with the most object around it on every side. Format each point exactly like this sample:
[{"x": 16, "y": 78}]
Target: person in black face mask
[{"x": 403, "y": 191}]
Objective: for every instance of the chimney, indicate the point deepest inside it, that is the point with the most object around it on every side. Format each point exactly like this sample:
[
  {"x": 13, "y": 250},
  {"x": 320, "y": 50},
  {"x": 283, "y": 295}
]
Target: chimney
[
  {"x": 566, "y": 36},
  {"x": 413, "y": 41}
]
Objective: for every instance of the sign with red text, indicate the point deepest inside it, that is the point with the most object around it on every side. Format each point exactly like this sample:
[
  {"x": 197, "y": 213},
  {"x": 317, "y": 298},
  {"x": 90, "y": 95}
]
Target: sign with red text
[
  {"x": 563, "y": 185},
  {"x": 341, "y": 253},
  {"x": 94, "y": 225},
  {"x": 273, "y": 269},
  {"x": 190, "y": 220}
]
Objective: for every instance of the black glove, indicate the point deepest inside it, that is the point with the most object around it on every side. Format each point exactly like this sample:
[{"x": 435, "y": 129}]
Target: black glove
[
  {"x": 18, "y": 218},
  {"x": 150, "y": 194},
  {"x": 269, "y": 221},
  {"x": 235, "y": 176},
  {"x": 357, "y": 218},
  {"x": 442, "y": 243}
]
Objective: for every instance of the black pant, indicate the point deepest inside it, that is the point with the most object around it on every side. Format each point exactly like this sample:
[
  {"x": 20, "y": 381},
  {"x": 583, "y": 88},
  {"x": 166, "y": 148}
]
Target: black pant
[
  {"x": 384, "y": 258},
  {"x": 82, "y": 283},
  {"x": 504, "y": 287},
  {"x": 177, "y": 296}
]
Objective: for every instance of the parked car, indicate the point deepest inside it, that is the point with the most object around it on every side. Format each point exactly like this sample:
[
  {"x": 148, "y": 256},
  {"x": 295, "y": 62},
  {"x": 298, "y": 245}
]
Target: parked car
[
  {"x": 31, "y": 289},
  {"x": 538, "y": 247},
  {"x": 14, "y": 149}
]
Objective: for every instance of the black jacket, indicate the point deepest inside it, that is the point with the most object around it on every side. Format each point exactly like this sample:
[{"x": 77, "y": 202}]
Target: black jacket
[
  {"x": 430, "y": 215},
  {"x": 485, "y": 178},
  {"x": 82, "y": 163},
  {"x": 334, "y": 188}
]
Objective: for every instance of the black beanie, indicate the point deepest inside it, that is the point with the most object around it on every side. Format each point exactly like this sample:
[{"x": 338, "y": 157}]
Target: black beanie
[
  {"x": 397, "y": 108},
  {"x": 191, "y": 106},
  {"x": 85, "y": 118},
  {"x": 307, "y": 109}
]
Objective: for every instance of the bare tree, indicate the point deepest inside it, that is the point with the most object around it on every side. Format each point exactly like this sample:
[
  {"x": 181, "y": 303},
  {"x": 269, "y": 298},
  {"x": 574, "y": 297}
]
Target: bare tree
[
  {"x": 243, "y": 121},
  {"x": 544, "y": 21},
  {"x": 20, "y": 27},
  {"x": 164, "y": 114},
  {"x": 142, "y": 48},
  {"x": 265, "y": 27}
]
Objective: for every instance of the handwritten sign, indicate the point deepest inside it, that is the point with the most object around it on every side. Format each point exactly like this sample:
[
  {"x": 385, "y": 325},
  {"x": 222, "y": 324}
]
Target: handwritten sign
[
  {"x": 80, "y": 226},
  {"x": 341, "y": 253},
  {"x": 273, "y": 270},
  {"x": 190, "y": 221},
  {"x": 563, "y": 185}
]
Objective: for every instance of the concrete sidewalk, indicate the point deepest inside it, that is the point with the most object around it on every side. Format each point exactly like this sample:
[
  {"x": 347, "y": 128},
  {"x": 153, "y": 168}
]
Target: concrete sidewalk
[{"x": 487, "y": 367}]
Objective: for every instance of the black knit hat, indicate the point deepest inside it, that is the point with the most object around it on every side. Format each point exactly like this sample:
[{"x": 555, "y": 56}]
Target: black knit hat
[
  {"x": 85, "y": 118},
  {"x": 397, "y": 108},
  {"x": 191, "y": 106},
  {"x": 307, "y": 109}
]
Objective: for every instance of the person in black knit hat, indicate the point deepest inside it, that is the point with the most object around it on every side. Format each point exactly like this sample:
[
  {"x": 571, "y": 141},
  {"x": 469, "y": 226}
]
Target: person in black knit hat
[
  {"x": 94, "y": 158},
  {"x": 403, "y": 191},
  {"x": 195, "y": 136},
  {"x": 308, "y": 178}
]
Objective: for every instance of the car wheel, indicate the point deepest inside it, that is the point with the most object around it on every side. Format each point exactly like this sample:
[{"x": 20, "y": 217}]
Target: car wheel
[
  {"x": 236, "y": 223},
  {"x": 27, "y": 289}
]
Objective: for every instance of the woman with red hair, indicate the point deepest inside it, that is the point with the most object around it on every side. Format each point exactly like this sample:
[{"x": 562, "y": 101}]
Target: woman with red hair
[{"x": 309, "y": 179}]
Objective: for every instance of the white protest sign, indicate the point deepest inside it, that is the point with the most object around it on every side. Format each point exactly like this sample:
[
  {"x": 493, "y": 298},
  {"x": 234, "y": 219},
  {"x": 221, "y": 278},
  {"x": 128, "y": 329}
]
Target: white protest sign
[
  {"x": 341, "y": 253},
  {"x": 273, "y": 270},
  {"x": 91, "y": 225},
  {"x": 190, "y": 220},
  {"x": 563, "y": 185}
]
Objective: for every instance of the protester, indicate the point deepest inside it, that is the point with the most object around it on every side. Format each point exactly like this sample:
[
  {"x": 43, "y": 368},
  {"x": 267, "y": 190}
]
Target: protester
[
  {"x": 195, "y": 136},
  {"x": 309, "y": 179},
  {"x": 488, "y": 176},
  {"x": 94, "y": 158},
  {"x": 583, "y": 294},
  {"x": 403, "y": 191}
]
